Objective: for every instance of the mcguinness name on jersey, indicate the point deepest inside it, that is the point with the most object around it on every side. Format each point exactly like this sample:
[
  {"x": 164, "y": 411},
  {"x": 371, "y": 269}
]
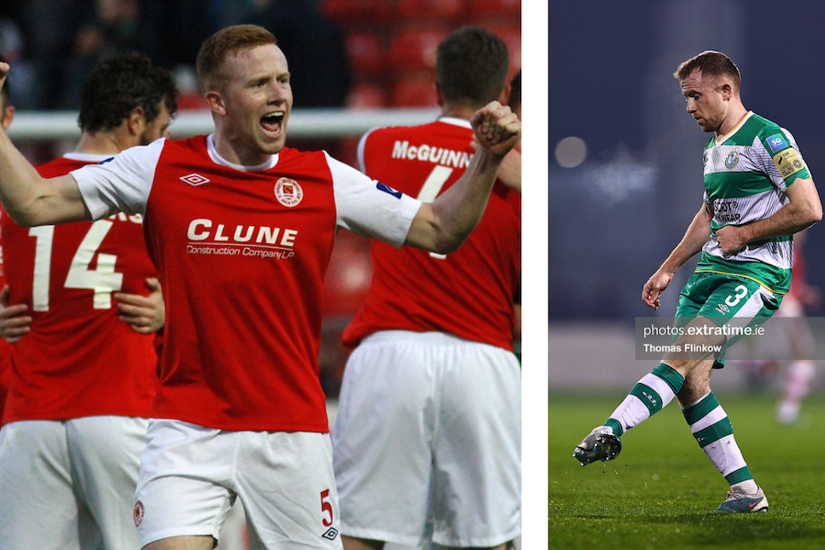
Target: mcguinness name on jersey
[{"x": 432, "y": 154}]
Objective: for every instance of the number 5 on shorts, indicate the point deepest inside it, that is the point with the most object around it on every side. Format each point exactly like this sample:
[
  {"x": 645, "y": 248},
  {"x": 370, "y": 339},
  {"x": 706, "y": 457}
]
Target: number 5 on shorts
[{"x": 326, "y": 508}]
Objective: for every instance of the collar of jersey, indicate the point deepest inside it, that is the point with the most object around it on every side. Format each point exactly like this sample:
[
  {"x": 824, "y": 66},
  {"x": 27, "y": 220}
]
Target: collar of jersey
[
  {"x": 455, "y": 121},
  {"x": 735, "y": 129},
  {"x": 217, "y": 159},
  {"x": 86, "y": 157}
]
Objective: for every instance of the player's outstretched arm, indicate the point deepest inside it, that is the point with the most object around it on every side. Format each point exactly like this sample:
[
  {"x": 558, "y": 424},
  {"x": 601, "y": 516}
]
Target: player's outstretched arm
[
  {"x": 697, "y": 234},
  {"x": 443, "y": 225},
  {"x": 802, "y": 211},
  {"x": 28, "y": 198}
]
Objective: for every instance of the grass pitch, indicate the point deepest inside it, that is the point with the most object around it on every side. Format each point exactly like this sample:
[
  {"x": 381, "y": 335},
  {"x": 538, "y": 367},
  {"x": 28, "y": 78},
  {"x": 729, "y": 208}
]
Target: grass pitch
[{"x": 661, "y": 491}]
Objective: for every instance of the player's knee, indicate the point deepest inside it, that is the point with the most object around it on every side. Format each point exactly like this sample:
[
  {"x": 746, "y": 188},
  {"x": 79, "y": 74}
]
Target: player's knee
[{"x": 695, "y": 387}]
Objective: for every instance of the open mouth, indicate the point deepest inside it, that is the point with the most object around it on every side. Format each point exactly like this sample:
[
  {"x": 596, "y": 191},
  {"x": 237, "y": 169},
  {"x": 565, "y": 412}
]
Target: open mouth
[{"x": 273, "y": 122}]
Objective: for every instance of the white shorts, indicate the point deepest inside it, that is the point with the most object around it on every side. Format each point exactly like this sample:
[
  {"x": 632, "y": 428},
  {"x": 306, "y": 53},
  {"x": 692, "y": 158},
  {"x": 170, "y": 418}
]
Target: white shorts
[
  {"x": 190, "y": 476},
  {"x": 428, "y": 437},
  {"x": 69, "y": 484}
]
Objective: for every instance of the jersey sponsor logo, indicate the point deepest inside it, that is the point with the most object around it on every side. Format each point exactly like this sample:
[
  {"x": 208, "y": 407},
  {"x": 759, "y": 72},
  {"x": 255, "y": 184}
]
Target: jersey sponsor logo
[
  {"x": 387, "y": 189},
  {"x": 788, "y": 162},
  {"x": 732, "y": 159},
  {"x": 288, "y": 192},
  {"x": 330, "y": 533},
  {"x": 777, "y": 142},
  {"x": 138, "y": 513},
  {"x": 428, "y": 153},
  {"x": 725, "y": 211},
  {"x": 217, "y": 239},
  {"x": 194, "y": 179}
]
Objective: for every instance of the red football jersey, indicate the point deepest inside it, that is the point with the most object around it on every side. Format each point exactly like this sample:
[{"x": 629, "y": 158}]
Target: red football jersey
[
  {"x": 798, "y": 279},
  {"x": 5, "y": 347},
  {"x": 468, "y": 293},
  {"x": 242, "y": 254},
  {"x": 79, "y": 359}
]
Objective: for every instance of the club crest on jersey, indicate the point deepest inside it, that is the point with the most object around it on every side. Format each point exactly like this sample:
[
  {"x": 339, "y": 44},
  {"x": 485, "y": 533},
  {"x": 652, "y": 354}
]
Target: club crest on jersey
[
  {"x": 288, "y": 192},
  {"x": 776, "y": 142},
  {"x": 138, "y": 513},
  {"x": 732, "y": 159},
  {"x": 194, "y": 179}
]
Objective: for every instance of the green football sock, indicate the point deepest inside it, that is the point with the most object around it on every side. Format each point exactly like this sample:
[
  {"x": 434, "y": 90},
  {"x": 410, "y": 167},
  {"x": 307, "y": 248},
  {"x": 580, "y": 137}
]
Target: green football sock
[
  {"x": 713, "y": 431},
  {"x": 650, "y": 395}
]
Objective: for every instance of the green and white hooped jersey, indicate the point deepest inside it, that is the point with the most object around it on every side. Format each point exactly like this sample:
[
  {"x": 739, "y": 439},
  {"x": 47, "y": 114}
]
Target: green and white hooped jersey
[{"x": 746, "y": 174}]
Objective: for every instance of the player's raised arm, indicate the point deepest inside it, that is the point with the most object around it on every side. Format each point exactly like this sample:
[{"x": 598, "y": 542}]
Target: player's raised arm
[
  {"x": 28, "y": 198},
  {"x": 443, "y": 225}
]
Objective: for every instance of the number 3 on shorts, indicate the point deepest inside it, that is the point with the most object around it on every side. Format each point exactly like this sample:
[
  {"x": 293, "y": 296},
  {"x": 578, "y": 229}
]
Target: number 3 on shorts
[{"x": 733, "y": 299}]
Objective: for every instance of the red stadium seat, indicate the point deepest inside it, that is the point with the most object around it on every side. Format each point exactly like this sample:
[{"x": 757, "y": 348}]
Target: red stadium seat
[
  {"x": 366, "y": 53},
  {"x": 414, "y": 92},
  {"x": 511, "y": 35},
  {"x": 192, "y": 101},
  {"x": 495, "y": 7},
  {"x": 367, "y": 95},
  {"x": 415, "y": 49},
  {"x": 441, "y": 10},
  {"x": 359, "y": 13}
]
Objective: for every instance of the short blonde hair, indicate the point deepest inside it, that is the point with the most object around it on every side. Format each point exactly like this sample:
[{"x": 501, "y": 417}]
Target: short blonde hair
[{"x": 710, "y": 63}]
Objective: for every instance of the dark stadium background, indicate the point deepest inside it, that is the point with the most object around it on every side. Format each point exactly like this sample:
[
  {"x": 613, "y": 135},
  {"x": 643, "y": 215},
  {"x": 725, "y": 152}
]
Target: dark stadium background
[{"x": 614, "y": 218}]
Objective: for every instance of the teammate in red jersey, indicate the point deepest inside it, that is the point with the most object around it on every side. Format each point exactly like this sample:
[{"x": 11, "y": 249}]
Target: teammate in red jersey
[
  {"x": 801, "y": 370},
  {"x": 241, "y": 230},
  {"x": 6, "y": 116},
  {"x": 83, "y": 380},
  {"x": 510, "y": 172},
  {"x": 428, "y": 425}
]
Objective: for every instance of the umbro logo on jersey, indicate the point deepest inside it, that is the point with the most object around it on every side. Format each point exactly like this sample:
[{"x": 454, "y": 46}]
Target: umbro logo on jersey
[
  {"x": 195, "y": 179},
  {"x": 330, "y": 533}
]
